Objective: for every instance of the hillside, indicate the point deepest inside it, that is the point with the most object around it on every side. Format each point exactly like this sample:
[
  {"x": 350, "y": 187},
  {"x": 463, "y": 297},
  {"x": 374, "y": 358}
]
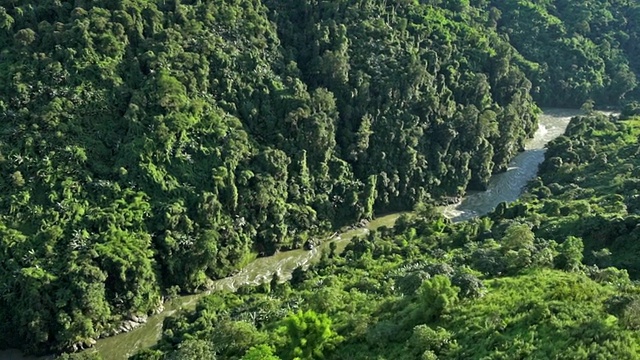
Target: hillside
[{"x": 148, "y": 145}]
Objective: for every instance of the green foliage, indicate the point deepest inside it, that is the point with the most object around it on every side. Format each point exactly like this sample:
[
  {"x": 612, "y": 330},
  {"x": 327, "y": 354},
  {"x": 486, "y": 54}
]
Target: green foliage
[
  {"x": 436, "y": 297},
  {"x": 537, "y": 314},
  {"x": 574, "y": 52},
  {"x": 426, "y": 341},
  {"x": 80, "y": 356},
  {"x": 192, "y": 350},
  {"x": 571, "y": 253},
  {"x": 154, "y": 144},
  {"x": 260, "y": 352},
  {"x": 308, "y": 335}
]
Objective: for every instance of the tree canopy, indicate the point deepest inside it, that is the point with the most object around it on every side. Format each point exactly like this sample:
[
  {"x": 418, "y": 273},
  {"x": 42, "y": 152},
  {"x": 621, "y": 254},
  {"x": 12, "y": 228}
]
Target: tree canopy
[{"x": 149, "y": 145}]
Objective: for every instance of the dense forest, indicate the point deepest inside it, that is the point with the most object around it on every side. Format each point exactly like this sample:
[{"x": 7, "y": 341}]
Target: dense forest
[
  {"x": 534, "y": 280},
  {"x": 149, "y": 145}
]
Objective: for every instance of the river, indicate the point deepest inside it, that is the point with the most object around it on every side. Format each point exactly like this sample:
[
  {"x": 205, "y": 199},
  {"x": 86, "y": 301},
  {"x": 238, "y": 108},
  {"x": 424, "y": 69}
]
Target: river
[
  {"x": 503, "y": 187},
  {"x": 507, "y": 186}
]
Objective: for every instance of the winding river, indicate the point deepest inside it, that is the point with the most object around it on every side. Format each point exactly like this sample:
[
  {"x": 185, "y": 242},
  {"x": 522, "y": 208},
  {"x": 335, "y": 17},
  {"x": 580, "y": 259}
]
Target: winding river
[
  {"x": 507, "y": 186},
  {"x": 503, "y": 187}
]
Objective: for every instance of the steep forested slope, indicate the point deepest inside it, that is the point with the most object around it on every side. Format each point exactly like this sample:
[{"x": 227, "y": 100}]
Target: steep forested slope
[
  {"x": 147, "y": 144},
  {"x": 581, "y": 49}
]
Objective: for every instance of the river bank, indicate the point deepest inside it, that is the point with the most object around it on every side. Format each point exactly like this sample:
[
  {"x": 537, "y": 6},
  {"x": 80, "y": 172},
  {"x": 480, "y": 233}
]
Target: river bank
[
  {"x": 259, "y": 271},
  {"x": 508, "y": 186}
]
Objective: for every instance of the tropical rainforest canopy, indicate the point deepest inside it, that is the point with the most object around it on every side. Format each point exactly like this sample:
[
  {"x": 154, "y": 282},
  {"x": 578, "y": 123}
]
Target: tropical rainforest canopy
[{"x": 148, "y": 145}]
